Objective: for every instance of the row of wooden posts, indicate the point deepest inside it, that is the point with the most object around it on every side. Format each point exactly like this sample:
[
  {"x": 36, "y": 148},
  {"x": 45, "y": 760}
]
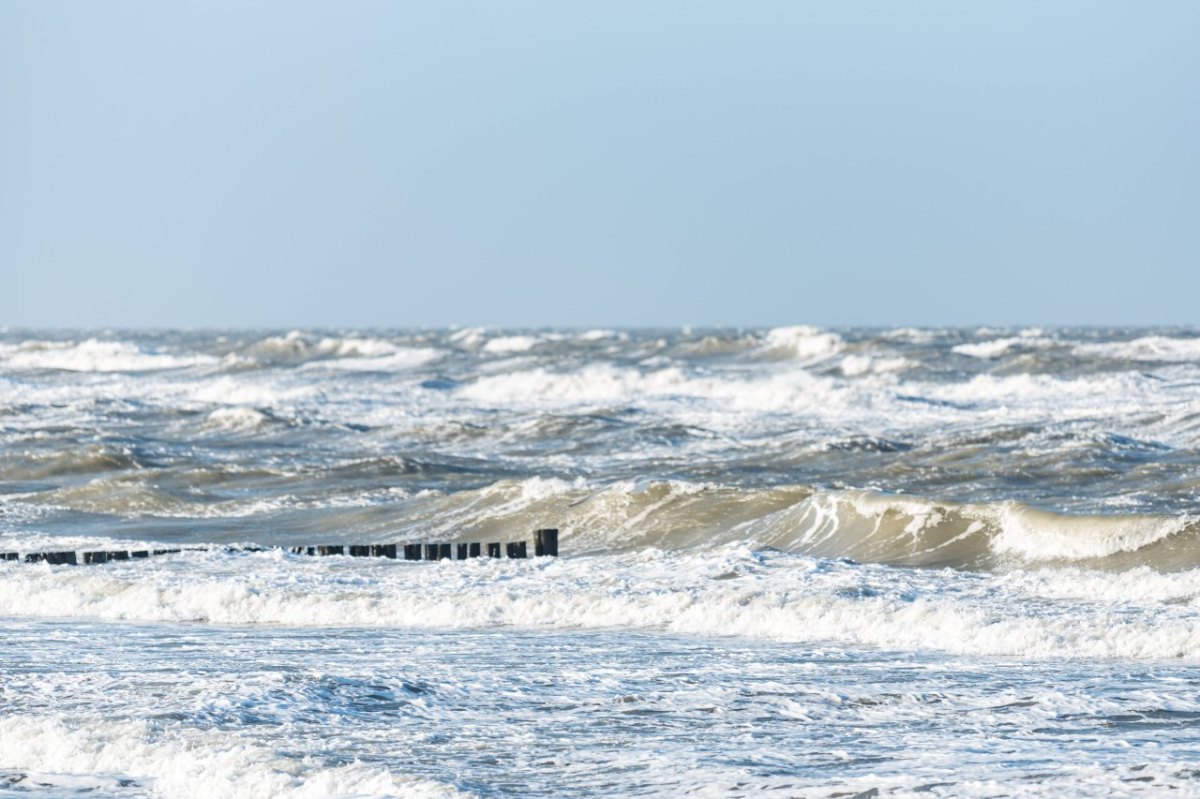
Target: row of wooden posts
[{"x": 545, "y": 544}]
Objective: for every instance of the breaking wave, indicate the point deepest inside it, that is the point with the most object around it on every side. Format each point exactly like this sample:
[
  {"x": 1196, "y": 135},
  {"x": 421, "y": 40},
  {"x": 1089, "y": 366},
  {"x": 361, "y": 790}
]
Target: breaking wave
[
  {"x": 104, "y": 757},
  {"x": 801, "y": 342},
  {"x": 1042, "y": 613},
  {"x": 1163, "y": 349},
  {"x": 860, "y": 525},
  {"x": 94, "y": 355}
]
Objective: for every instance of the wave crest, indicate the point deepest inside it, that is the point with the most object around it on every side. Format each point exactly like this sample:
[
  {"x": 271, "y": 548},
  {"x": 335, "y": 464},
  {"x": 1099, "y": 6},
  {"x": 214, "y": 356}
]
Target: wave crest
[{"x": 861, "y": 525}]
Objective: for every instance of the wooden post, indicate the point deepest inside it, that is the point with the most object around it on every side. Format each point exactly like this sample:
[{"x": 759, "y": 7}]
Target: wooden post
[
  {"x": 331, "y": 549},
  {"x": 176, "y": 551},
  {"x": 545, "y": 542},
  {"x": 473, "y": 550},
  {"x": 357, "y": 551},
  {"x": 383, "y": 551},
  {"x": 118, "y": 554},
  {"x": 431, "y": 552},
  {"x": 493, "y": 550},
  {"x": 95, "y": 557},
  {"x": 412, "y": 551},
  {"x": 140, "y": 553},
  {"x": 462, "y": 551},
  {"x": 10, "y": 555},
  {"x": 516, "y": 549},
  {"x": 61, "y": 558},
  {"x": 444, "y": 552}
]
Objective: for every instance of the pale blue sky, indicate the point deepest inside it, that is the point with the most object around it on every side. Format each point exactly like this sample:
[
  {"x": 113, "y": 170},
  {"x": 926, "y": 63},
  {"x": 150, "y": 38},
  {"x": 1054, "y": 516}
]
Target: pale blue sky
[{"x": 609, "y": 163}]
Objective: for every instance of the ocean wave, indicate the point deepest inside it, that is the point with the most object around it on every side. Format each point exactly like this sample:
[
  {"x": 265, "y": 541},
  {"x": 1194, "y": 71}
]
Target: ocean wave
[
  {"x": 397, "y": 360},
  {"x": 298, "y": 348},
  {"x": 246, "y": 390},
  {"x": 598, "y": 382},
  {"x": 800, "y": 342},
  {"x": 238, "y": 418},
  {"x": 873, "y": 527},
  {"x": 180, "y": 763},
  {"x": 862, "y": 525},
  {"x": 669, "y": 514},
  {"x": 94, "y": 459},
  {"x": 95, "y": 355},
  {"x": 731, "y": 590},
  {"x": 469, "y": 338},
  {"x": 872, "y": 394},
  {"x": 1039, "y": 393},
  {"x": 508, "y": 344},
  {"x": 990, "y": 348},
  {"x": 1165, "y": 349},
  {"x": 913, "y": 335},
  {"x": 599, "y": 334},
  {"x": 795, "y": 390},
  {"x": 160, "y": 494},
  {"x": 719, "y": 344},
  {"x": 857, "y": 365}
]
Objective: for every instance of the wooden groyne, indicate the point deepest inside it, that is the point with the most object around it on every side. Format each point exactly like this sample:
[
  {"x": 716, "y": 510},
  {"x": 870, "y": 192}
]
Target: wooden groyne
[{"x": 545, "y": 544}]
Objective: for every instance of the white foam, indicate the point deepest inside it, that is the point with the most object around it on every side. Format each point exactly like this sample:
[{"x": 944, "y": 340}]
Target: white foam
[
  {"x": 237, "y": 418},
  {"x": 801, "y": 342},
  {"x": 251, "y": 389},
  {"x": 1030, "y": 338},
  {"x": 725, "y": 591},
  {"x": 1032, "y": 395},
  {"x": 180, "y": 763},
  {"x": 468, "y": 337},
  {"x": 355, "y": 347},
  {"x": 988, "y": 349},
  {"x": 915, "y": 335},
  {"x": 395, "y": 359},
  {"x": 597, "y": 335},
  {"x": 298, "y": 347},
  {"x": 794, "y": 390},
  {"x": 94, "y": 355},
  {"x": 1147, "y": 348},
  {"x": 1141, "y": 585},
  {"x": 32, "y": 541},
  {"x": 506, "y": 344},
  {"x": 1039, "y": 535},
  {"x": 595, "y": 383},
  {"x": 858, "y": 365}
]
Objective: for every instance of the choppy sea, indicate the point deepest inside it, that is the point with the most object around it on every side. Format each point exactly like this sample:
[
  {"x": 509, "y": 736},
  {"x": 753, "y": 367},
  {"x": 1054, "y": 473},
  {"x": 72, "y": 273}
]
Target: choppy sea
[{"x": 795, "y": 562}]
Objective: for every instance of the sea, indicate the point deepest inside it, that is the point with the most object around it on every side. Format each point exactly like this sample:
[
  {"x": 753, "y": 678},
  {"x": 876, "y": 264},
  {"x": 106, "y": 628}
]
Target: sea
[{"x": 793, "y": 562}]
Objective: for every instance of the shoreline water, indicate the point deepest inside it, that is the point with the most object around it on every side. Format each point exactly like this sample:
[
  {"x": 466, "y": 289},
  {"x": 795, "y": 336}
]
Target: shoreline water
[{"x": 794, "y": 562}]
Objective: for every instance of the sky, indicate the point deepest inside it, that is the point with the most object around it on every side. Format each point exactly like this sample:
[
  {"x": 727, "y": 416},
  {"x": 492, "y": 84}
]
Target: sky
[{"x": 572, "y": 164}]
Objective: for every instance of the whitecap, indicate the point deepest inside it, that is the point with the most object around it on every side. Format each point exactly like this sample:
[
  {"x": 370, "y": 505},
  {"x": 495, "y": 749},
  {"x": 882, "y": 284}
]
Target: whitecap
[
  {"x": 801, "y": 342},
  {"x": 1165, "y": 349},
  {"x": 507, "y": 344},
  {"x": 95, "y": 355}
]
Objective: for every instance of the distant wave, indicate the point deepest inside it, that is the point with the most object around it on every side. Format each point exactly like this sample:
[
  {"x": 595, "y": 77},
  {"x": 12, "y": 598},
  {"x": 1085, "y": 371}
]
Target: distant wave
[{"x": 94, "y": 355}]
